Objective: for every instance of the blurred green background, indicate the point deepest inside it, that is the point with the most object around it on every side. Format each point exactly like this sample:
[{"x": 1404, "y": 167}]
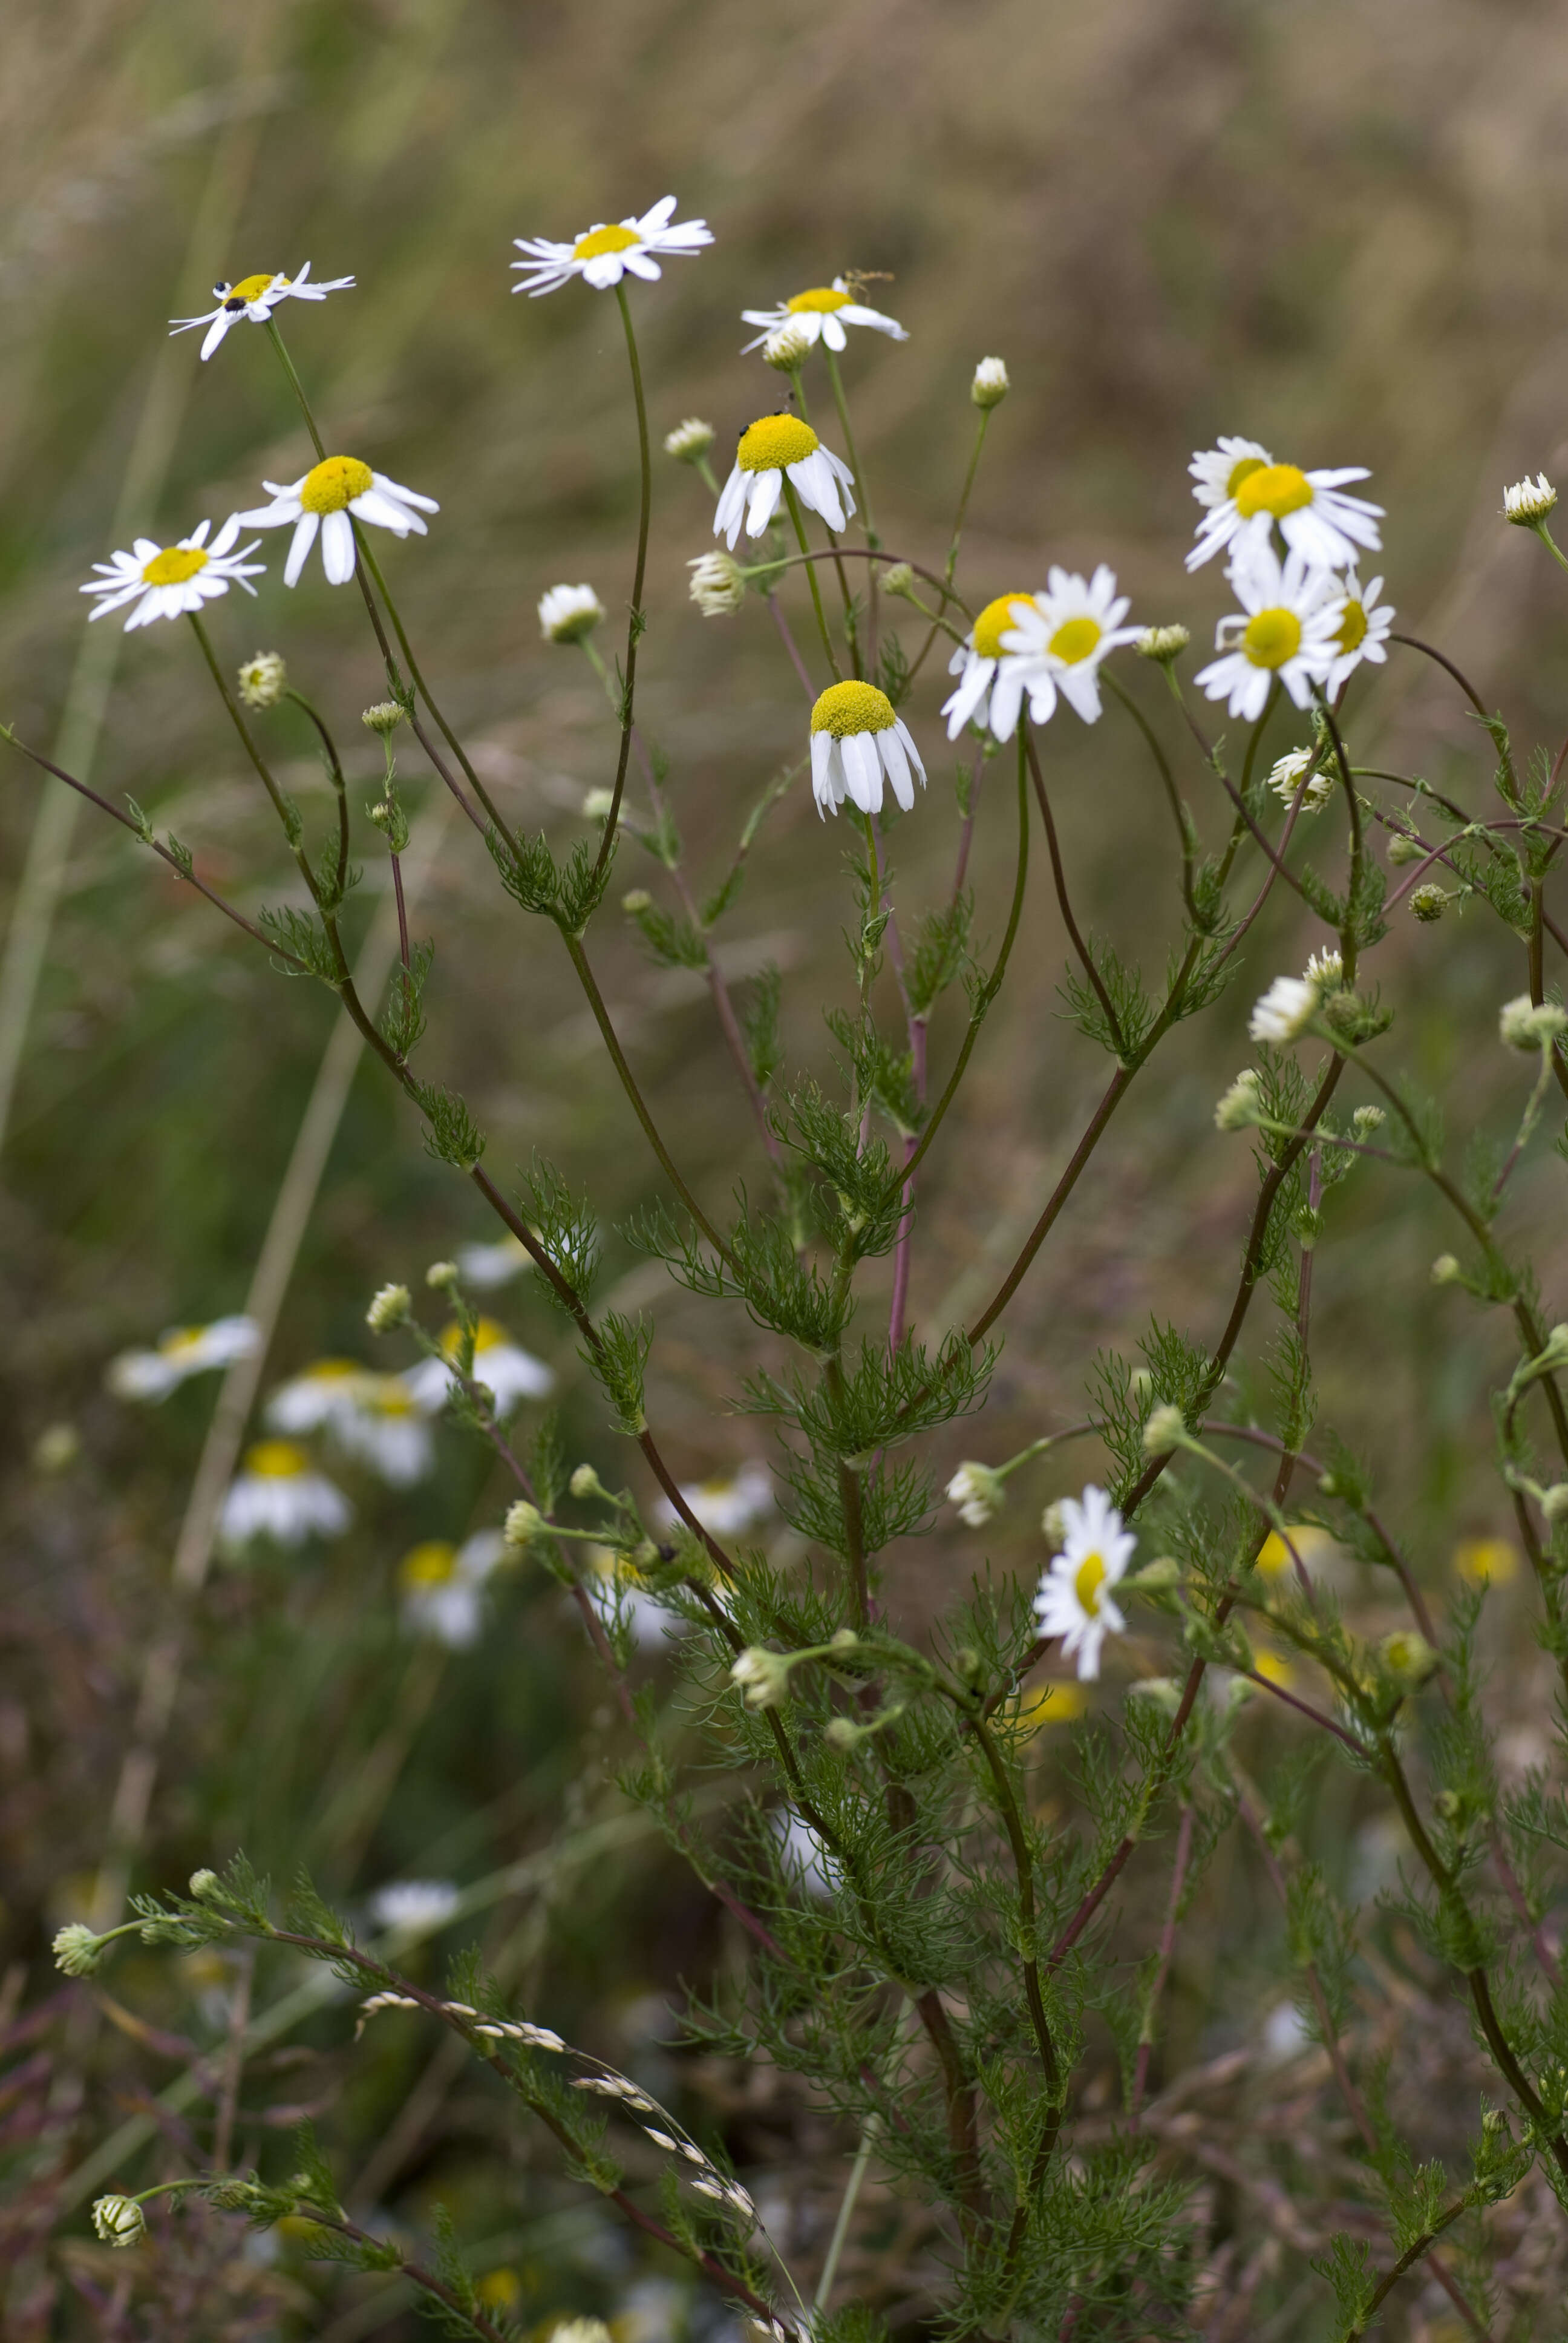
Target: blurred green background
[{"x": 1337, "y": 229}]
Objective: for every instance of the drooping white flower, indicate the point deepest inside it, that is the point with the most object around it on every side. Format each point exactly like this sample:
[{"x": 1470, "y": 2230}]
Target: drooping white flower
[
  {"x": 1314, "y": 515},
  {"x": 413, "y": 1906},
  {"x": 1284, "y": 1012},
  {"x": 255, "y": 299},
  {"x": 183, "y": 1352},
  {"x": 602, "y": 255},
  {"x": 979, "y": 1493},
  {"x": 171, "y": 581},
  {"x": 1074, "y": 1600},
  {"x": 442, "y": 1587},
  {"x": 856, "y": 737},
  {"x": 1363, "y": 631},
  {"x": 507, "y": 1371},
  {"x": 263, "y": 679},
  {"x": 567, "y": 613},
  {"x": 821, "y": 313},
  {"x": 1287, "y": 627},
  {"x": 774, "y": 449},
  {"x": 279, "y": 1495},
  {"x": 324, "y": 498},
  {"x": 718, "y": 585},
  {"x": 484, "y": 1266},
  {"x": 975, "y": 663},
  {"x": 1055, "y": 644},
  {"x": 1529, "y": 501},
  {"x": 119, "y": 2220},
  {"x": 1285, "y": 779},
  {"x": 727, "y": 1505}
]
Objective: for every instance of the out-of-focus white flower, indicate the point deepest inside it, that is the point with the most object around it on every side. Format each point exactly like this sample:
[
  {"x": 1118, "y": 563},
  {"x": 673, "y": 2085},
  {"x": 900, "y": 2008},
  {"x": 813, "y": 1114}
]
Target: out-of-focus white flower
[
  {"x": 801, "y": 1853},
  {"x": 1363, "y": 631},
  {"x": 442, "y": 1587},
  {"x": 1529, "y": 501},
  {"x": 483, "y": 1267},
  {"x": 567, "y": 613},
  {"x": 413, "y": 1906},
  {"x": 990, "y": 385},
  {"x": 975, "y": 663},
  {"x": 1287, "y": 628},
  {"x": 324, "y": 498},
  {"x": 278, "y": 1493},
  {"x": 1246, "y": 492},
  {"x": 725, "y": 1506},
  {"x": 1240, "y": 1105},
  {"x": 690, "y": 441},
  {"x": 602, "y": 256},
  {"x": 1285, "y": 779},
  {"x": 507, "y": 1371},
  {"x": 774, "y": 449},
  {"x": 389, "y": 1307},
  {"x": 263, "y": 680},
  {"x": 1074, "y": 1600},
  {"x": 371, "y": 1417},
  {"x": 77, "y": 1950},
  {"x": 822, "y": 312},
  {"x": 1526, "y": 1024},
  {"x": 183, "y": 1352},
  {"x": 1284, "y": 1012},
  {"x": 1055, "y": 644},
  {"x": 979, "y": 1493},
  {"x": 318, "y": 1394},
  {"x": 255, "y": 299},
  {"x": 616, "y": 1585},
  {"x": 856, "y": 737},
  {"x": 174, "y": 581},
  {"x": 717, "y": 584}
]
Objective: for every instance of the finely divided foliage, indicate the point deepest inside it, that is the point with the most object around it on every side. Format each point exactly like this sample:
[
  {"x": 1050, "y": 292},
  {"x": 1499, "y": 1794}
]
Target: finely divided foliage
[{"x": 925, "y": 1943}]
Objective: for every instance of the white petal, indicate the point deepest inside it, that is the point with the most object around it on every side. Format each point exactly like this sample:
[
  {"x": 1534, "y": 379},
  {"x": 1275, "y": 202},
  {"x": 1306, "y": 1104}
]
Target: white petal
[
  {"x": 337, "y": 547},
  {"x": 643, "y": 265},
  {"x": 404, "y": 496},
  {"x": 1006, "y": 698},
  {"x": 833, "y": 332},
  {"x": 731, "y": 505},
  {"x": 303, "y": 539},
  {"x": 226, "y": 537},
  {"x": 863, "y": 771},
  {"x": 766, "y": 490},
  {"x": 821, "y": 772},
  {"x": 384, "y": 514},
  {"x": 895, "y": 763},
  {"x": 907, "y": 741},
  {"x": 220, "y": 325}
]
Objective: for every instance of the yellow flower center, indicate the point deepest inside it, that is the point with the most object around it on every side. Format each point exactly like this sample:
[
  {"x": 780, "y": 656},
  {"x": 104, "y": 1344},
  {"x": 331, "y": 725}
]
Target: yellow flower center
[
  {"x": 1272, "y": 637},
  {"x": 276, "y": 1460},
  {"x": 333, "y": 484},
  {"x": 1087, "y": 1582},
  {"x": 183, "y": 1338},
  {"x": 1274, "y": 1670},
  {"x": 487, "y": 1337},
  {"x": 1353, "y": 627},
  {"x": 332, "y": 1370},
  {"x": 1074, "y": 640},
  {"x": 994, "y": 621},
  {"x": 774, "y": 443},
  {"x": 249, "y": 288},
  {"x": 820, "y": 297},
  {"x": 602, "y": 240},
  {"x": 389, "y": 1398},
  {"x": 173, "y": 568},
  {"x": 1242, "y": 471},
  {"x": 430, "y": 1564},
  {"x": 1273, "y": 489},
  {"x": 846, "y": 708}
]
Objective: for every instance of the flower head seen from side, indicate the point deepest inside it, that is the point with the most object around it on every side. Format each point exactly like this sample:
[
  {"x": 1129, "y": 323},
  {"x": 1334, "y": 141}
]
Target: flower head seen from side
[
  {"x": 1529, "y": 501},
  {"x": 1287, "y": 628},
  {"x": 173, "y": 581},
  {"x": 255, "y": 299},
  {"x": 990, "y": 385},
  {"x": 329, "y": 497},
  {"x": 975, "y": 663},
  {"x": 567, "y": 613},
  {"x": 1074, "y": 1599},
  {"x": 1285, "y": 1011},
  {"x": 371, "y": 1417},
  {"x": 507, "y": 1371},
  {"x": 727, "y": 1505},
  {"x": 442, "y": 1587},
  {"x": 603, "y": 255},
  {"x": 1246, "y": 493},
  {"x": 1363, "y": 631},
  {"x": 821, "y": 313},
  {"x": 857, "y": 738},
  {"x": 279, "y": 1495},
  {"x": 1285, "y": 776},
  {"x": 773, "y": 449},
  {"x": 183, "y": 1352},
  {"x": 1055, "y": 645}
]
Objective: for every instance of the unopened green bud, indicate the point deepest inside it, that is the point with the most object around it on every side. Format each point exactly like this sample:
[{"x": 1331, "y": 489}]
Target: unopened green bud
[
  {"x": 389, "y": 1306},
  {"x": 523, "y": 1523},
  {"x": 1445, "y": 1270},
  {"x": 1428, "y": 904},
  {"x": 585, "y": 1483},
  {"x": 898, "y": 579},
  {"x": 1159, "y": 1577},
  {"x": 119, "y": 2220},
  {"x": 1163, "y": 644},
  {"x": 1165, "y": 1430},
  {"x": 1408, "y": 1657},
  {"x": 205, "y": 1885},
  {"x": 637, "y": 901},
  {"x": 442, "y": 1275},
  {"x": 1405, "y": 849},
  {"x": 76, "y": 1950},
  {"x": 383, "y": 716}
]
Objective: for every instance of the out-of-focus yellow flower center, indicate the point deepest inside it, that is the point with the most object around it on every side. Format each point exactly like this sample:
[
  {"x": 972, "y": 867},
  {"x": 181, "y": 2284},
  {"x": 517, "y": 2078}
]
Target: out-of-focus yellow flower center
[
  {"x": 1353, "y": 627},
  {"x": 276, "y": 1460},
  {"x": 1273, "y": 489},
  {"x": 1053, "y": 1704},
  {"x": 994, "y": 621},
  {"x": 820, "y": 297},
  {"x": 487, "y": 1337},
  {"x": 774, "y": 443},
  {"x": 1274, "y": 1670},
  {"x": 847, "y": 707},
  {"x": 248, "y": 288},
  {"x": 1087, "y": 1582},
  {"x": 603, "y": 240},
  {"x": 1272, "y": 637},
  {"x": 500, "y": 2289},
  {"x": 332, "y": 1370},
  {"x": 173, "y": 568},
  {"x": 184, "y": 1339},
  {"x": 388, "y": 1397},
  {"x": 430, "y": 1564},
  {"x": 1242, "y": 471},
  {"x": 1485, "y": 1561},
  {"x": 333, "y": 486},
  {"x": 1074, "y": 640}
]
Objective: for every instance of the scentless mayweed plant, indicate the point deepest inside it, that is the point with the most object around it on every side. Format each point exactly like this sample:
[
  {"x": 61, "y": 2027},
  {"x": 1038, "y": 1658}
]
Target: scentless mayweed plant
[{"x": 937, "y": 1929}]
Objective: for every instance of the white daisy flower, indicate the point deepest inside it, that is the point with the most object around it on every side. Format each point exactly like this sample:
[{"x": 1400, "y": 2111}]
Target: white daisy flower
[
  {"x": 601, "y": 255},
  {"x": 975, "y": 663},
  {"x": 413, "y": 1906},
  {"x": 169, "y": 581},
  {"x": 615, "y": 1585},
  {"x": 443, "y": 1587},
  {"x": 856, "y": 737},
  {"x": 1529, "y": 501},
  {"x": 483, "y": 1266},
  {"x": 1285, "y": 779},
  {"x": 316, "y": 1395},
  {"x": 183, "y": 1352},
  {"x": 1363, "y": 631},
  {"x": 507, "y": 1371},
  {"x": 727, "y": 1505},
  {"x": 279, "y": 1495},
  {"x": 1073, "y": 1601},
  {"x": 821, "y": 313},
  {"x": 1055, "y": 644},
  {"x": 775, "y": 447},
  {"x": 323, "y": 498},
  {"x": 255, "y": 298},
  {"x": 1288, "y": 627},
  {"x": 371, "y": 1417},
  {"x": 567, "y": 613},
  {"x": 1314, "y": 515},
  {"x": 1284, "y": 1012}
]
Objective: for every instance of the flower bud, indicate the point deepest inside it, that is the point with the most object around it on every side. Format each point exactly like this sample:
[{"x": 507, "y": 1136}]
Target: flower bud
[
  {"x": 690, "y": 441},
  {"x": 205, "y": 1885},
  {"x": 1404, "y": 850},
  {"x": 56, "y": 1446},
  {"x": 1529, "y": 501},
  {"x": 1445, "y": 1270},
  {"x": 898, "y": 579},
  {"x": 717, "y": 584},
  {"x": 990, "y": 385},
  {"x": 567, "y": 613},
  {"x": 979, "y": 1493},
  {"x": 1366, "y": 1120},
  {"x": 840, "y": 1733},
  {"x": 76, "y": 1950},
  {"x": 1525, "y": 1024},
  {"x": 389, "y": 1307},
  {"x": 1165, "y": 1430},
  {"x": 598, "y": 805},
  {"x": 1554, "y": 1503},
  {"x": 636, "y": 902},
  {"x": 442, "y": 1275},
  {"x": 1428, "y": 903},
  {"x": 585, "y": 1483},
  {"x": 763, "y": 1676},
  {"x": 786, "y": 347},
  {"x": 1161, "y": 1576},
  {"x": 263, "y": 680},
  {"x": 844, "y": 1639},
  {"x": 1242, "y": 1105},
  {"x": 383, "y": 716},
  {"x": 1409, "y": 1658},
  {"x": 1054, "y": 1525},
  {"x": 523, "y": 1523},
  {"x": 1163, "y": 643},
  {"x": 119, "y": 2220}
]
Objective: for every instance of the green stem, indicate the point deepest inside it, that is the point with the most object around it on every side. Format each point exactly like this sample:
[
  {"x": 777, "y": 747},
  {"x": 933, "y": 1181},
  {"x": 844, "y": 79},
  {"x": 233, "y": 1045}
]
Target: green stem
[
  {"x": 842, "y": 405},
  {"x": 953, "y": 562},
  {"x": 298, "y": 390},
  {"x": 367, "y": 556},
  {"x": 792, "y": 500},
  {"x": 285, "y": 815},
  {"x": 635, "y": 617}
]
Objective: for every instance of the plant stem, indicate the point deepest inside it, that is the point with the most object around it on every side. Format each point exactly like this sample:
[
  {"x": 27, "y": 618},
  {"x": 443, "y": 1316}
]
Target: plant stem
[{"x": 792, "y": 500}]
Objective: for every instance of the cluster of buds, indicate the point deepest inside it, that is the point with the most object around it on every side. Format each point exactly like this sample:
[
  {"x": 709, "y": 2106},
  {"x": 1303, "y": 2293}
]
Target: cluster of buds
[{"x": 1526, "y": 1024}]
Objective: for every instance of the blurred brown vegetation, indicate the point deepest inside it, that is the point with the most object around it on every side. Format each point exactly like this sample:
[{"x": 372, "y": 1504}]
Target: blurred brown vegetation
[{"x": 1337, "y": 228}]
